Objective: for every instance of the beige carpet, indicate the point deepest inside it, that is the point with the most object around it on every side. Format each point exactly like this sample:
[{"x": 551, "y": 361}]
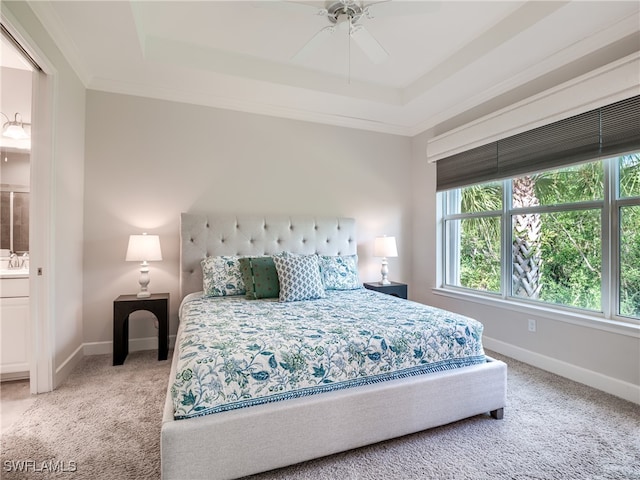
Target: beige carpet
[{"x": 107, "y": 420}]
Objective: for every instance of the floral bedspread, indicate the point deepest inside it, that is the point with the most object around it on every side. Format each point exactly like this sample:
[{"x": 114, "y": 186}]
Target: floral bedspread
[{"x": 236, "y": 352}]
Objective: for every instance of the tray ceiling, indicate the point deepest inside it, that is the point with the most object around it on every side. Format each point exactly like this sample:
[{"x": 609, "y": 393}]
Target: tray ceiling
[{"x": 457, "y": 62}]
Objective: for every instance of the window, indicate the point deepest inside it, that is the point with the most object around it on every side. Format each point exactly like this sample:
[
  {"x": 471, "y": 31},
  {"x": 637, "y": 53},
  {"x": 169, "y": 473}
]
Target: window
[
  {"x": 628, "y": 210},
  {"x": 474, "y": 227},
  {"x": 568, "y": 237}
]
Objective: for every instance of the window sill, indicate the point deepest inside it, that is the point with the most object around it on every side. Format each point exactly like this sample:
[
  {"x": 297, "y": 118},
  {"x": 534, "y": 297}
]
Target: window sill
[{"x": 575, "y": 318}]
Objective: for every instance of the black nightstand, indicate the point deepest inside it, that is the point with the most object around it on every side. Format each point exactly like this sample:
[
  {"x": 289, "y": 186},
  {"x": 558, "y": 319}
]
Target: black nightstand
[
  {"x": 394, "y": 288},
  {"x": 123, "y": 306}
]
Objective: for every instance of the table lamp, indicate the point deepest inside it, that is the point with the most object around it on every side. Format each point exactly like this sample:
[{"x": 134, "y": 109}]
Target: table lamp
[
  {"x": 144, "y": 248},
  {"x": 385, "y": 247}
]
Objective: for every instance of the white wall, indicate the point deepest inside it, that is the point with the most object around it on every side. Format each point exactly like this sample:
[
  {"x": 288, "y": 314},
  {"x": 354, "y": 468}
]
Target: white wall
[
  {"x": 15, "y": 172},
  {"x": 604, "y": 359},
  {"x": 65, "y": 187},
  {"x": 149, "y": 160}
]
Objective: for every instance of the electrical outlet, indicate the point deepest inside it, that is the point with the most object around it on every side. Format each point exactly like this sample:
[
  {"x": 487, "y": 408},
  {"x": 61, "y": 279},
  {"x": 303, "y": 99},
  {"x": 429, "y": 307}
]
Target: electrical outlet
[{"x": 532, "y": 325}]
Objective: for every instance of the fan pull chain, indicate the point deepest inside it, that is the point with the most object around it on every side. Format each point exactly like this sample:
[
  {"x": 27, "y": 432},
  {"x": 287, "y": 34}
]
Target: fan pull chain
[{"x": 349, "y": 55}]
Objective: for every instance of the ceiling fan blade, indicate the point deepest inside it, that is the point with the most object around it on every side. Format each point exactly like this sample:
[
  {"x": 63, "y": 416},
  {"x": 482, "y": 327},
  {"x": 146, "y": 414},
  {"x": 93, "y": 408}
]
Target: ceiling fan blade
[
  {"x": 369, "y": 45},
  {"x": 304, "y": 8},
  {"x": 318, "y": 39},
  {"x": 391, "y": 8},
  {"x": 295, "y": 7}
]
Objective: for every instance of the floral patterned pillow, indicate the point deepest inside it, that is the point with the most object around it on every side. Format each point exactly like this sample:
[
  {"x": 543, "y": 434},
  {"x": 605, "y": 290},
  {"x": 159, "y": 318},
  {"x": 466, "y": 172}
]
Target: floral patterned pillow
[
  {"x": 221, "y": 276},
  {"x": 340, "y": 272},
  {"x": 299, "y": 277}
]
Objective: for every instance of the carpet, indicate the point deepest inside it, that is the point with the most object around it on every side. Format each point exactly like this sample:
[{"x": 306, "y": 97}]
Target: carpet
[{"x": 104, "y": 423}]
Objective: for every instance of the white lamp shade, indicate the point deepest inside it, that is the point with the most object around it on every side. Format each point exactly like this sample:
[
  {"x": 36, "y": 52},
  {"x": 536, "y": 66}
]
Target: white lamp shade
[
  {"x": 144, "y": 248},
  {"x": 385, "y": 247}
]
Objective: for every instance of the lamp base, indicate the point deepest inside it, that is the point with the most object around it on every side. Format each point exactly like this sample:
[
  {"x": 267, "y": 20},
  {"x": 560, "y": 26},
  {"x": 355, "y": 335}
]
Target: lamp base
[
  {"x": 144, "y": 281},
  {"x": 384, "y": 271}
]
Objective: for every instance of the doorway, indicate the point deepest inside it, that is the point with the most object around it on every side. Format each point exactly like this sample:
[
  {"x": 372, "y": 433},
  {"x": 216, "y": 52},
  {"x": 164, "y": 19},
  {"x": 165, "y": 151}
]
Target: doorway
[
  {"x": 34, "y": 116},
  {"x": 16, "y": 103}
]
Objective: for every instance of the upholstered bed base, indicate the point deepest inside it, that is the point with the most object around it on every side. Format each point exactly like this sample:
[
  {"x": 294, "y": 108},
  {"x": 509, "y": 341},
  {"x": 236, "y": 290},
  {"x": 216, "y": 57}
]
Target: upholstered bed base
[{"x": 242, "y": 442}]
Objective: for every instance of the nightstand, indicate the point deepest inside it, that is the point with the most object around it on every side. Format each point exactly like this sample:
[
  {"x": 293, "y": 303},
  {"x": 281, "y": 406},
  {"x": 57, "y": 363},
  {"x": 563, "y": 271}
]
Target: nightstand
[
  {"x": 125, "y": 305},
  {"x": 394, "y": 288}
]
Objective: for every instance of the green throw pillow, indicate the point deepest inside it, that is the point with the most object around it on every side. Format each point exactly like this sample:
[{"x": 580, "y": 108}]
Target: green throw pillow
[{"x": 260, "y": 277}]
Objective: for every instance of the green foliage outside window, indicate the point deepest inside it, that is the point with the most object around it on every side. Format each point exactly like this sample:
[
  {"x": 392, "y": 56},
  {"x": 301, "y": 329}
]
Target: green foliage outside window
[
  {"x": 579, "y": 183},
  {"x": 480, "y": 253},
  {"x": 630, "y": 237},
  {"x": 630, "y": 262},
  {"x": 481, "y": 198},
  {"x": 630, "y": 175},
  {"x": 557, "y": 255},
  {"x": 571, "y": 249}
]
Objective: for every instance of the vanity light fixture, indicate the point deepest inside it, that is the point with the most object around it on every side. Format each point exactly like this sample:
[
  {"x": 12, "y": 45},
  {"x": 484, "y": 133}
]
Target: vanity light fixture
[
  {"x": 14, "y": 128},
  {"x": 144, "y": 248},
  {"x": 385, "y": 247}
]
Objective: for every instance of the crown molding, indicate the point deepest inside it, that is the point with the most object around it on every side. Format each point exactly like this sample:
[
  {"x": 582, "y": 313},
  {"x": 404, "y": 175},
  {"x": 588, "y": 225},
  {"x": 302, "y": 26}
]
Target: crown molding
[
  {"x": 229, "y": 103},
  {"x": 613, "y": 82},
  {"x": 52, "y": 24},
  {"x": 618, "y": 31}
]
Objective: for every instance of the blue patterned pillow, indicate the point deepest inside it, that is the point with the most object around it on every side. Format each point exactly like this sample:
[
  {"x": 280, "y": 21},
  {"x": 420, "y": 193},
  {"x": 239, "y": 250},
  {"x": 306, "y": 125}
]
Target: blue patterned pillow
[
  {"x": 221, "y": 276},
  {"x": 340, "y": 273},
  {"x": 299, "y": 277}
]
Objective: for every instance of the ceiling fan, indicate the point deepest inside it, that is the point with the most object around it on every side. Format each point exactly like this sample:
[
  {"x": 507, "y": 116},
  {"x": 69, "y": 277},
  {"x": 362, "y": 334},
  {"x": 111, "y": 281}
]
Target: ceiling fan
[{"x": 351, "y": 14}]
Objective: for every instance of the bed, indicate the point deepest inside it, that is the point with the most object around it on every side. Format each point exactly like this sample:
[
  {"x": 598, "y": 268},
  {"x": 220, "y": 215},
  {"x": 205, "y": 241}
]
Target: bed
[{"x": 255, "y": 428}]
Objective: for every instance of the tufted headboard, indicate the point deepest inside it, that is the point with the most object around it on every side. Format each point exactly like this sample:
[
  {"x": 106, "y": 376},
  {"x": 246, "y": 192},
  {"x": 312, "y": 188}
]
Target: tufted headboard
[{"x": 210, "y": 235}]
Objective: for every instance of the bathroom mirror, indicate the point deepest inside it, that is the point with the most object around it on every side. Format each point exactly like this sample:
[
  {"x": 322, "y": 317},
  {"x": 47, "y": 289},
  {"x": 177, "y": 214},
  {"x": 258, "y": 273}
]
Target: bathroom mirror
[{"x": 14, "y": 201}]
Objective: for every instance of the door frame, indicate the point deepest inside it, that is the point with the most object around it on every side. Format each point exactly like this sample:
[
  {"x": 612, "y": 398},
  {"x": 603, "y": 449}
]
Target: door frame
[{"x": 41, "y": 248}]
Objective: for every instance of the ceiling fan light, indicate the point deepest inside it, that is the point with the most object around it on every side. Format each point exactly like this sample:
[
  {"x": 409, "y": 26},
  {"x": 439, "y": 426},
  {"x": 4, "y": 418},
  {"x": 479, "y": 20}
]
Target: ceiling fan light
[{"x": 343, "y": 21}]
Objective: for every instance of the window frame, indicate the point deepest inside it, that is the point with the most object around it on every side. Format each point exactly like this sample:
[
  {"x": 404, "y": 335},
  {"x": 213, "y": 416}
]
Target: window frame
[{"x": 609, "y": 207}]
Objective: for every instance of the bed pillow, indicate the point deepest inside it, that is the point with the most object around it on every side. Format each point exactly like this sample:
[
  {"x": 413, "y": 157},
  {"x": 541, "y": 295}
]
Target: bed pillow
[
  {"x": 299, "y": 277},
  {"x": 221, "y": 276},
  {"x": 340, "y": 272},
  {"x": 260, "y": 277}
]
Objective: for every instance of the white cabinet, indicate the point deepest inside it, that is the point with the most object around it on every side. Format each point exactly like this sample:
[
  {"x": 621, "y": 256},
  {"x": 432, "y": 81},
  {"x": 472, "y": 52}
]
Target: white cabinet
[{"x": 15, "y": 328}]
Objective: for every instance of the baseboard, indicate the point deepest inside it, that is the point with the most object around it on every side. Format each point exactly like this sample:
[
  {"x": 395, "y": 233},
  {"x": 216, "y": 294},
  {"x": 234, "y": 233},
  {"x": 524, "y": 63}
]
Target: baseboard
[
  {"x": 91, "y": 348},
  {"x": 9, "y": 377},
  {"x": 619, "y": 388},
  {"x": 135, "y": 345},
  {"x": 63, "y": 371}
]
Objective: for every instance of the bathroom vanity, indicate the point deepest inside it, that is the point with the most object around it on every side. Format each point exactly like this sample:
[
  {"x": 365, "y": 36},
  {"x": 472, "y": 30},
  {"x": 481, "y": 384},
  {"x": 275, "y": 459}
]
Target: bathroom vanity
[{"x": 15, "y": 325}]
